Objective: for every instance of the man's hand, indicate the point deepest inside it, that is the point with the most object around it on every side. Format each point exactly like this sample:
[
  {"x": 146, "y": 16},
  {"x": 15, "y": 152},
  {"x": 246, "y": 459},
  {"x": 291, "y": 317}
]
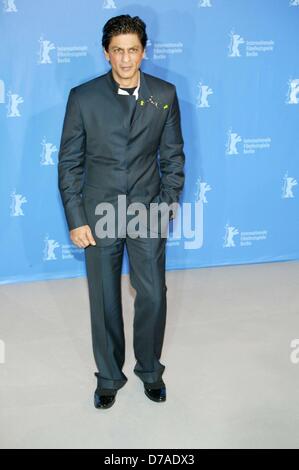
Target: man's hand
[{"x": 82, "y": 236}]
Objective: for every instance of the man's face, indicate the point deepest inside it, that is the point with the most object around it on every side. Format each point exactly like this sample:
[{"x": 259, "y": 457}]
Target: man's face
[{"x": 125, "y": 53}]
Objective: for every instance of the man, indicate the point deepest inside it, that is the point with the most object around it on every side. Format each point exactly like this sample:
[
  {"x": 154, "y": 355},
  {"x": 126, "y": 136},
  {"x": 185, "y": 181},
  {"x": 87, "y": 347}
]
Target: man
[{"x": 114, "y": 127}]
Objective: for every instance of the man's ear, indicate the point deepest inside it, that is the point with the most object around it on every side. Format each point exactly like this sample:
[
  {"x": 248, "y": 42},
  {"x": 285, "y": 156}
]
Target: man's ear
[{"x": 106, "y": 54}]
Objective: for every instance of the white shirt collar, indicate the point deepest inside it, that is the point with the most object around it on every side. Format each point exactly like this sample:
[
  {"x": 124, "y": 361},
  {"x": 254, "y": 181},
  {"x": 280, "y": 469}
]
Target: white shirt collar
[{"x": 136, "y": 91}]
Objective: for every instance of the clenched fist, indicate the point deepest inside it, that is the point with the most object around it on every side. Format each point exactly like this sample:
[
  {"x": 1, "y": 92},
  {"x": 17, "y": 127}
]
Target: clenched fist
[{"x": 82, "y": 236}]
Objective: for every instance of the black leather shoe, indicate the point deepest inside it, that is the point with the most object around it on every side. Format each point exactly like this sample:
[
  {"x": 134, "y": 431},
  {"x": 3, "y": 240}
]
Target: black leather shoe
[
  {"x": 104, "y": 401},
  {"x": 104, "y": 398},
  {"x": 155, "y": 394}
]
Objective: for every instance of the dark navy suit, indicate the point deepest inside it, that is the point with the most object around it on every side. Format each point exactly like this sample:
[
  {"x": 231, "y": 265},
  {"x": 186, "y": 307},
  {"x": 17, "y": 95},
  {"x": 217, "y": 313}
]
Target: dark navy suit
[{"x": 109, "y": 146}]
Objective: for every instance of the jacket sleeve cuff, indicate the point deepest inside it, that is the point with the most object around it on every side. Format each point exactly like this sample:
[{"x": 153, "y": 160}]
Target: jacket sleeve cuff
[{"x": 76, "y": 217}]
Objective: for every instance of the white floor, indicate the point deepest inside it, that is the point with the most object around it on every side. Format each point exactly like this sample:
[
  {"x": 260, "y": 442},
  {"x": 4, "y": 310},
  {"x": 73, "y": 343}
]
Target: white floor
[{"x": 230, "y": 381}]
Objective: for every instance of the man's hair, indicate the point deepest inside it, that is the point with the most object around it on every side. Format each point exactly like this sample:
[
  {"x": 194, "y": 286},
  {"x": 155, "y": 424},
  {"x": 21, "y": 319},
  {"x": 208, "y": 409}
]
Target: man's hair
[{"x": 124, "y": 24}]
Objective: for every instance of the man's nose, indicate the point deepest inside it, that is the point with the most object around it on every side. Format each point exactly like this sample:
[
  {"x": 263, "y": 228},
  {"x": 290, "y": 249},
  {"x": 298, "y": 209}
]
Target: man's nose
[{"x": 126, "y": 57}]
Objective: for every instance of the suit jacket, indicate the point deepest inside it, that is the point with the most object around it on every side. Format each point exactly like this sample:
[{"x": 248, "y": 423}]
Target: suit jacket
[{"x": 113, "y": 144}]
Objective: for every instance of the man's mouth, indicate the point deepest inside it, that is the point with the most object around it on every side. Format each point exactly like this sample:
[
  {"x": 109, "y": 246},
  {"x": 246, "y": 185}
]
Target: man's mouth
[{"x": 126, "y": 68}]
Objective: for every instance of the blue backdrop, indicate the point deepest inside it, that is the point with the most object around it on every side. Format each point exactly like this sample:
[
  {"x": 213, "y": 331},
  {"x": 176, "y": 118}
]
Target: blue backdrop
[{"x": 235, "y": 64}]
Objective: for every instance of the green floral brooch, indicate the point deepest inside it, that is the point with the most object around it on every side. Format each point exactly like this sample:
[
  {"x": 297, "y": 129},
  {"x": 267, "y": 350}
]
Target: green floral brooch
[{"x": 154, "y": 102}]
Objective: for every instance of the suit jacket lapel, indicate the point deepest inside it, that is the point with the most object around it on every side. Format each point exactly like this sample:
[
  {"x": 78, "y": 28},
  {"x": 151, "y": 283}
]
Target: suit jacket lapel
[{"x": 142, "y": 101}]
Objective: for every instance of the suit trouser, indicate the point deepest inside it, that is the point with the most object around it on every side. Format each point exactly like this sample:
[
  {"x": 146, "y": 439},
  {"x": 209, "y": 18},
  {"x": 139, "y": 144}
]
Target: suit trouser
[{"x": 147, "y": 275}]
